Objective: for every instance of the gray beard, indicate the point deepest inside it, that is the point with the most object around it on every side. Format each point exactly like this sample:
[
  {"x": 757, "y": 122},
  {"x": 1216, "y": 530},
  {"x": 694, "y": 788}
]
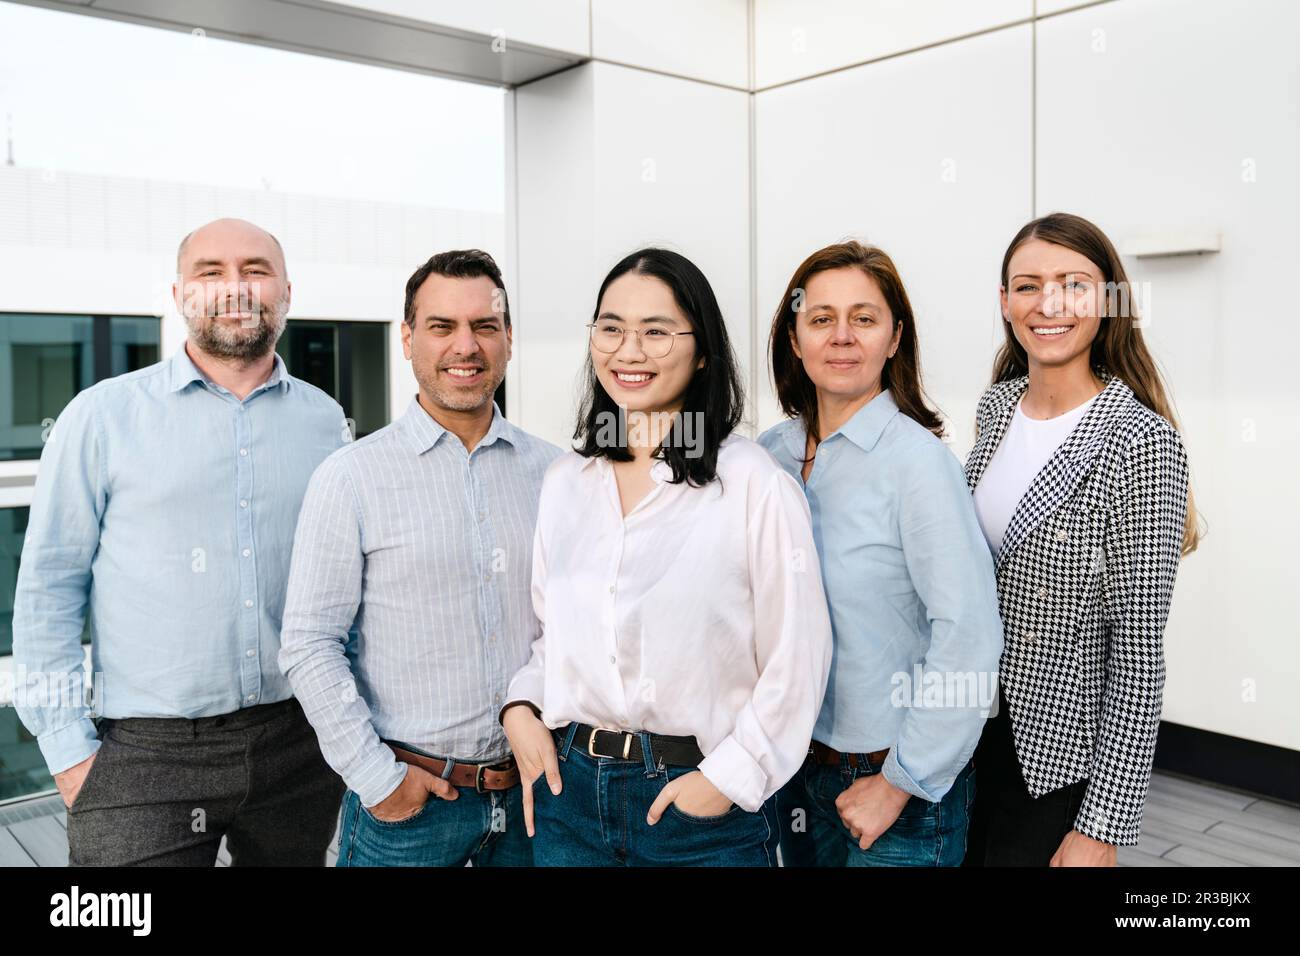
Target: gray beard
[{"x": 244, "y": 344}]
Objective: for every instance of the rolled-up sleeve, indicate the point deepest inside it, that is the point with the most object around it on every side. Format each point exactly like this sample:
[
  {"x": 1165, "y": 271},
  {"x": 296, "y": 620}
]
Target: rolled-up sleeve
[
  {"x": 53, "y": 588},
  {"x": 324, "y": 592},
  {"x": 792, "y": 647},
  {"x": 951, "y": 571},
  {"x": 528, "y": 684}
]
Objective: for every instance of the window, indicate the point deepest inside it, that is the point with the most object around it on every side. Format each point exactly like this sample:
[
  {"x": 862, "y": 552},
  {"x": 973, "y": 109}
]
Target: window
[
  {"x": 47, "y": 359},
  {"x": 13, "y": 525},
  {"x": 22, "y": 769},
  {"x": 347, "y": 360}
]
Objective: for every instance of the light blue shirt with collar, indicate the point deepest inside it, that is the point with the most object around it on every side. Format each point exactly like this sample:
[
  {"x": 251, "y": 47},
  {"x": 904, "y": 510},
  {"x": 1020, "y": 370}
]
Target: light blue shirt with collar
[
  {"x": 426, "y": 549},
  {"x": 165, "y": 509},
  {"x": 912, "y": 595}
]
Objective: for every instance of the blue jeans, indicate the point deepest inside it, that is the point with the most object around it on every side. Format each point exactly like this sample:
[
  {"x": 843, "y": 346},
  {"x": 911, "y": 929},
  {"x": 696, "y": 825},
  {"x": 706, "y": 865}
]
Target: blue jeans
[
  {"x": 599, "y": 817},
  {"x": 925, "y": 833},
  {"x": 487, "y": 828}
]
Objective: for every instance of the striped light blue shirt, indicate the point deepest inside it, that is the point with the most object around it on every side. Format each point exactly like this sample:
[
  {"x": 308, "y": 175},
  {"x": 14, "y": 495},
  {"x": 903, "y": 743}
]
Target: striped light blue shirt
[
  {"x": 429, "y": 550},
  {"x": 166, "y": 507},
  {"x": 913, "y": 602}
]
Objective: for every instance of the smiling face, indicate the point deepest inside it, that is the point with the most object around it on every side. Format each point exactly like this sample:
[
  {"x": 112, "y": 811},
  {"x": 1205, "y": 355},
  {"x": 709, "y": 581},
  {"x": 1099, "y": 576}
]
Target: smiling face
[
  {"x": 459, "y": 343},
  {"x": 232, "y": 289},
  {"x": 845, "y": 333},
  {"x": 1053, "y": 301},
  {"x": 629, "y": 376}
]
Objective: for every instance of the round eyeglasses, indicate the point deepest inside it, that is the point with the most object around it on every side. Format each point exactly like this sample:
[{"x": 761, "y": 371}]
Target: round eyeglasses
[{"x": 656, "y": 343}]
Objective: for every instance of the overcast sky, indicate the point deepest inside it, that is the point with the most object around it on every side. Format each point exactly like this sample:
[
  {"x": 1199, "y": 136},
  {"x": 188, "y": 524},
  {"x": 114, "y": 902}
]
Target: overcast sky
[{"x": 98, "y": 96}]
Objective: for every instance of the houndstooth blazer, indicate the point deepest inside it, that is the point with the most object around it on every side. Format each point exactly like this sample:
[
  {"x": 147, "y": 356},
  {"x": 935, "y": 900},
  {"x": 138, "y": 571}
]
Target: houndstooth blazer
[{"x": 1085, "y": 578}]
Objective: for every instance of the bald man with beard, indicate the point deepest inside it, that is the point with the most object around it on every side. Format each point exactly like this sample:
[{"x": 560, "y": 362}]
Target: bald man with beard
[{"x": 164, "y": 510}]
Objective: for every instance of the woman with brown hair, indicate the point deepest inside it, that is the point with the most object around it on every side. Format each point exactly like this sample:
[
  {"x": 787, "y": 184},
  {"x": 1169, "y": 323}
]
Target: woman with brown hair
[
  {"x": 888, "y": 779},
  {"x": 1080, "y": 484}
]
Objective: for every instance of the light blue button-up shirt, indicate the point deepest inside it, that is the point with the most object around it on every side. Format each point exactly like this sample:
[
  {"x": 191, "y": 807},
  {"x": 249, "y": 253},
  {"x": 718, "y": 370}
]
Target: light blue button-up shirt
[
  {"x": 912, "y": 595},
  {"x": 166, "y": 507},
  {"x": 428, "y": 548}
]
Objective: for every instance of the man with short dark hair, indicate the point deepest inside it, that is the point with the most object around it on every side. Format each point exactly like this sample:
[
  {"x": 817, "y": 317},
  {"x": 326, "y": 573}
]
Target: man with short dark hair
[
  {"x": 165, "y": 508},
  {"x": 422, "y": 532}
]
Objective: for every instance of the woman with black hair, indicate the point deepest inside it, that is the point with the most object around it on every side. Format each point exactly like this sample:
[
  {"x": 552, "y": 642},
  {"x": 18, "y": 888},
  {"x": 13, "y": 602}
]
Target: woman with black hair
[{"x": 685, "y": 638}]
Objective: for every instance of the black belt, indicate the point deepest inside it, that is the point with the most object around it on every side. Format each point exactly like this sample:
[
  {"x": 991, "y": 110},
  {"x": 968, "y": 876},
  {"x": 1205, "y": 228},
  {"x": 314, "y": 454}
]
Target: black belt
[{"x": 619, "y": 745}]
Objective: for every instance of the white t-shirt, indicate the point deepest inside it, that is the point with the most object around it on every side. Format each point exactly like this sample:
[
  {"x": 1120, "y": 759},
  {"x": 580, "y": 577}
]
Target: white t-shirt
[{"x": 1025, "y": 449}]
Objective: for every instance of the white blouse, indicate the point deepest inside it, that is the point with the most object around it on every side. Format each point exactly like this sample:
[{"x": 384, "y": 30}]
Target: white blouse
[
  {"x": 1029, "y": 443},
  {"x": 702, "y": 612}
]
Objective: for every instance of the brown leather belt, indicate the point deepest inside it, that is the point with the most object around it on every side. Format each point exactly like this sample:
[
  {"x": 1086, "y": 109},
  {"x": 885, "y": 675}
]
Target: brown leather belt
[
  {"x": 481, "y": 776},
  {"x": 823, "y": 754}
]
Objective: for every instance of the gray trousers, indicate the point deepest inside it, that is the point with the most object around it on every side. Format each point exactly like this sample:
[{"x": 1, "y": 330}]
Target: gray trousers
[{"x": 163, "y": 791}]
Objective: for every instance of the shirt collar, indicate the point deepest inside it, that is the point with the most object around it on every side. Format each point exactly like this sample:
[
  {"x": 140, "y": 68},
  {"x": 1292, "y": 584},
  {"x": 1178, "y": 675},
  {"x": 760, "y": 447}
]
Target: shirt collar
[
  {"x": 868, "y": 422},
  {"x": 424, "y": 431},
  {"x": 184, "y": 372},
  {"x": 660, "y": 471}
]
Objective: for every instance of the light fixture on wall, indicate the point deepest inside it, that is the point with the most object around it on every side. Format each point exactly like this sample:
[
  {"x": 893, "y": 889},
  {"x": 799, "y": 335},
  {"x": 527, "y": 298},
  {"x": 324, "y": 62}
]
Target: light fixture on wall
[{"x": 1157, "y": 245}]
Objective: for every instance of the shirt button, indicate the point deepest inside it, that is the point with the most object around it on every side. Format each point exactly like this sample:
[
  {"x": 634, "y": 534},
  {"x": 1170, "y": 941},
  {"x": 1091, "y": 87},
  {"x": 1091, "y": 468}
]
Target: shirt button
[
  {"x": 1062, "y": 534},
  {"x": 613, "y": 659},
  {"x": 1031, "y": 638},
  {"x": 487, "y": 576},
  {"x": 250, "y": 653},
  {"x": 492, "y": 637},
  {"x": 244, "y": 452},
  {"x": 1042, "y": 593},
  {"x": 247, "y": 552},
  {"x": 250, "y": 698},
  {"x": 248, "y": 604},
  {"x": 611, "y": 589},
  {"x": 482, "y": 515},
  {"x": 243, "y": 502}
]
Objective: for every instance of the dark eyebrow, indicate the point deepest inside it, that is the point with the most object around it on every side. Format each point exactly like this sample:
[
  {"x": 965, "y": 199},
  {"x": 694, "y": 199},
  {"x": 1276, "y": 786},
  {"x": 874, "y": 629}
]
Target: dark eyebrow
[
  {"x": 1059, "y": 275},
  {"x": 204, "y": 263},
  {"x": 443, "y": 318},
  {"x": 667, "y": 320},
  {"x": 855, "y": 305}
]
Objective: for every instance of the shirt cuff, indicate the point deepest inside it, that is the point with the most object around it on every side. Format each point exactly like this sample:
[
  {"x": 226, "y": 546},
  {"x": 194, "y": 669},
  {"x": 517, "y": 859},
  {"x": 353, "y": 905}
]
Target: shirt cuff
[
  {"x": 731, "y": 769},
  {"x": 379, "y": 776},
  {"x": 893, "y": 771},
  {"x": 501, "y": 714},
  {"x": 69, "y": 745},
  {"x": 528, "y": 685}
]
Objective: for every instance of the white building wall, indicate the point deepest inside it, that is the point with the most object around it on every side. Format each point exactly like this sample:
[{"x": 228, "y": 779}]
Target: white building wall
[
  {"x": 926, "y": 155},
  {"x": 610, "y": 159}
]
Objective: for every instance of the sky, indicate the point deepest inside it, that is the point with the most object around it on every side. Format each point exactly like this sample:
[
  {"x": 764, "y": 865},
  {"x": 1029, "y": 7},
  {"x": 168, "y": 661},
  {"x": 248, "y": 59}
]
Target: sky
[{"x": 97, "y": 96}]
